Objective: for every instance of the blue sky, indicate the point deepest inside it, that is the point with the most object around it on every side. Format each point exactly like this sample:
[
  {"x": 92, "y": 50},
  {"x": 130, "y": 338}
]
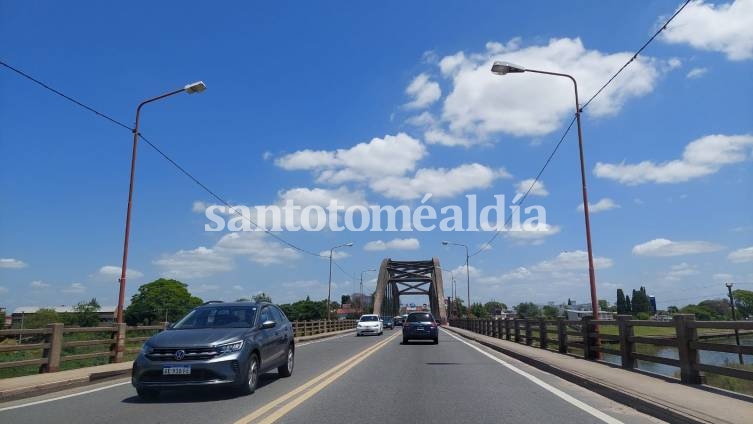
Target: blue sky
[{"x": 303, "y": 101}]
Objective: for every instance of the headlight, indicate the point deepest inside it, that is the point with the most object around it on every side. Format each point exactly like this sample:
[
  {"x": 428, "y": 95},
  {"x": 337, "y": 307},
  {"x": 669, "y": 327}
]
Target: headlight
[
  {"x": 230, "y": 347},
  {"x": 146, "y": 349}
]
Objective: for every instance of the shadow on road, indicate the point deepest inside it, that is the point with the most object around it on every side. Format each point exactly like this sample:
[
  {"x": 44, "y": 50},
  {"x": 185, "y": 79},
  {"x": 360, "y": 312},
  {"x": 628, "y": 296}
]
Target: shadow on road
[{"x": 202, "y": 394}]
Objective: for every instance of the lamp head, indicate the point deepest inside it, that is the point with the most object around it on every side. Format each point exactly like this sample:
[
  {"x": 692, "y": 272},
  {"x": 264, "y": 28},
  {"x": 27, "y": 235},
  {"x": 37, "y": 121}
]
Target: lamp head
[
  {"x": 504, "y": 68},
  {"x": 196, "y": 87}
]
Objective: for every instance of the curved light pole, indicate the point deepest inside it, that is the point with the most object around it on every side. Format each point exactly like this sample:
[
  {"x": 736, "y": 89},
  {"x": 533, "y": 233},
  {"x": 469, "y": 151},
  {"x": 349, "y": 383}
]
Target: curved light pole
[
  {"x": 504, "y": 68},
  {"x": 467, "y": 272},
  {"x": 196, "y": 87},
  {"x": 329, "y": 285},
  {"x": 362, "y": 272}
]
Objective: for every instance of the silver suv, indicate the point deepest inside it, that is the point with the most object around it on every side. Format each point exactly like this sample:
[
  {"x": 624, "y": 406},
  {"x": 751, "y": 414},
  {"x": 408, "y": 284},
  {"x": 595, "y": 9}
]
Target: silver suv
[{"x": 227, "y": 344}]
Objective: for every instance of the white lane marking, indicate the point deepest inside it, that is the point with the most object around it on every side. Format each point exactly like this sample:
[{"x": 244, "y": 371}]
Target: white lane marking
[
  {"x": 8, "y": 408},
  {"x": 557, "y": 392}
]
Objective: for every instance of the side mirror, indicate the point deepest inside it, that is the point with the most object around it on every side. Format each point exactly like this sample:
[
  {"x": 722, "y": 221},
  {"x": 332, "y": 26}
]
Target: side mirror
[{"x": 268, "y": 324}]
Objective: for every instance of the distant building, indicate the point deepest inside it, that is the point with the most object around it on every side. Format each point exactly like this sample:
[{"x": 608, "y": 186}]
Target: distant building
[
  {"x": 577, "y": 312},
  {"x": 106, "y": 313}
]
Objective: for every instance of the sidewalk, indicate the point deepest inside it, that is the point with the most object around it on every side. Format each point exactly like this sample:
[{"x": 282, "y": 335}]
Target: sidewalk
[
  {"x": 37, "y": 384},
  {"x": 661, "y": 398}
]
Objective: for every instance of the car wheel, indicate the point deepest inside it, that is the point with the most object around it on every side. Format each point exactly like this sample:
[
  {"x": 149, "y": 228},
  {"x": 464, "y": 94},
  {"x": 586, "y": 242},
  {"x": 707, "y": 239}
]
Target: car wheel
[
  {"x": 287, "y": 369},
  {"x": 148, "y": 394},
  {"x": 252, "y": 375},
  {"x": 436, "y": 341},
  {"x": 405, "y": 340}
]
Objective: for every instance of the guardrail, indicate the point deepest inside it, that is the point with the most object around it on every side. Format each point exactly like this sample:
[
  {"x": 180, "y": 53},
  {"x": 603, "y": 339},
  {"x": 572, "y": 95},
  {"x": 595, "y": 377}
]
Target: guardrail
[
  {"x": 55, "y": 344},
  {"x": 585, "y": 339}
]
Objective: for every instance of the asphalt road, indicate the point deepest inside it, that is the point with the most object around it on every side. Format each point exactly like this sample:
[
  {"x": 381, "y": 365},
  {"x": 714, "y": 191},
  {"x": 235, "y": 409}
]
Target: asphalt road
[{"x": 352, "y": 379}]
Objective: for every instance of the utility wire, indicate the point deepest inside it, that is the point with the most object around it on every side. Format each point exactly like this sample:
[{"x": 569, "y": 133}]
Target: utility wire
[
  {"x": 581, "y": 108},
  {"x": 164, "y": 155}
]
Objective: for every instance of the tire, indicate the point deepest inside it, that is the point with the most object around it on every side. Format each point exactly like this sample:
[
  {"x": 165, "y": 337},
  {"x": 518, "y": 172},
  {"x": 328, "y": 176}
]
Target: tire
[
  {"x": 287, "y": 369},
  {"x": 358, "y": 334},
  {"x": 381, "y": 332},
  {"x": 436, "y": 341},
  {"x": 252, "y": 376},
  {"x": 148, "y": 394},
  {"x": 405, "y": 340}
]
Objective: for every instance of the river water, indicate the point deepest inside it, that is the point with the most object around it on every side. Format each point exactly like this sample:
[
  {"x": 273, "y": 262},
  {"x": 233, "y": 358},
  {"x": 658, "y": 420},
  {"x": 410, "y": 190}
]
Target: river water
[{"x": 706, "y": 357}]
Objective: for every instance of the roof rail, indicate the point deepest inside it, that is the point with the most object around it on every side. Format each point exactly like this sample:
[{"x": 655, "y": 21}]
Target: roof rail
[{"x": 211, "y": 301}]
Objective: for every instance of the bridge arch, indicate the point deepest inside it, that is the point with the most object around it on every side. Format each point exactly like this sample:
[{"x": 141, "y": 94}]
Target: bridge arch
[{"x": 397, "y": 278}]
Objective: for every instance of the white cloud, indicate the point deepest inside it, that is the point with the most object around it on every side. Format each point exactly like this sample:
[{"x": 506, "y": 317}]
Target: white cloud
[
  {"x": 439, "y": 136},
  {"x": 602, "y": 205},
  {"x": 10, "y": 263},
  {"x": 534, "y": 237},
  {"x": 481, "y": 103},
  {"x": 361, "y": 162},
  {"x": 696, "y": 73},
  {"x": 701, "y": 157},
  {"x": 196, "y": 263},
  {"x": 38, "y": 285},
  {"x": 680, "y": 271},
  {"x": 722, "y": 276},
  {"x": 664, "y": 247},
  {"x": 303, "y": 284},
  {"x": 112, "y": 271},
  {"x": 424, "y": 92},
  {"x": 394, "y": 244},
  {"x": 440, "y": 182},
  {"x": 336, "y": 254},
  {"x": 572, "y": 261},
  {"x": 537, "y": 190},
  {"x": 303, "y": 197},
  {"x": 75, "y": 288},
  {"x": 741, "y": 255},
  {"x": 256, "y": 247},
  {"x": 725, "y": 28},
  {"x": 199, "y": 207},
  {"x": 424, "y": 119}
]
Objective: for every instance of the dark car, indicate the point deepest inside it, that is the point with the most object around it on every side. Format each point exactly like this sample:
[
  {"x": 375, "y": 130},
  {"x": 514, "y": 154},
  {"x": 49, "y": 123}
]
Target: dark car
[
  {"x": 398, "y": 320},
  {"x": 388, "y": 322},
  {"x": 420, "y": 326},
  {"x": 216, "y": 344}
]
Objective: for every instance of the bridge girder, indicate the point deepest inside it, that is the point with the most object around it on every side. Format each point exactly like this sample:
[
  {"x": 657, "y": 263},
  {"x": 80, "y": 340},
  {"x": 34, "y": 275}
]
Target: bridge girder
[{"x": 398, "y": 278}]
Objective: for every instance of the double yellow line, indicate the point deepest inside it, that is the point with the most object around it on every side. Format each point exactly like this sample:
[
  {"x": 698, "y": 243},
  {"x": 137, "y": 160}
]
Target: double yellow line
[{"x": 291, "y": 400}]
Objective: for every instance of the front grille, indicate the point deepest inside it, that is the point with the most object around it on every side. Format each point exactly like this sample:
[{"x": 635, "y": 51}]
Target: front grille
[
  {"x": 191, "y": 354},
  {"x": 156, "y": 376}
]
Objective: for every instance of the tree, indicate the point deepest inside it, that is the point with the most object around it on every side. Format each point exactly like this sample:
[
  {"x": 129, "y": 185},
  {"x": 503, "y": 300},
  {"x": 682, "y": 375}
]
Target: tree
[
  {"x": 494, "y": 307},
  {"x": 550, "y": 312},
  {"x": 672, "y": 309},
  {"x": 528, "y": 310},
  {"x": 621, "y": 303},
  {"x": 603, "y": 304},
  {"x": 86, "y": 314},
  {"x": 41, "y": 318},
  {"x": 641, "y": 302},
  {"x": 305, "y": 310},
  {"x": 628, "y": 305},
  {"x": 743, "y": 303},
  {"x": 262, "y": 297},
  {"x": 701, "y": 313},
  {"x": 159, "y": 300},
  {"x": 478, "y": 311},
  {"x": 719, "y": 307}
]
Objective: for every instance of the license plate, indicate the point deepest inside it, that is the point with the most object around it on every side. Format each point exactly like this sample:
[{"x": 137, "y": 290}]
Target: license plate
[
  {"x": 183, "y": 370},
  {"x": 419, "y": 329}
]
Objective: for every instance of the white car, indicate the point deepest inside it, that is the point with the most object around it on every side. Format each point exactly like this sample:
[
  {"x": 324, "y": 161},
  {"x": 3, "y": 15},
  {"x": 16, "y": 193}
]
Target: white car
[{"x": 369, "y": 324}]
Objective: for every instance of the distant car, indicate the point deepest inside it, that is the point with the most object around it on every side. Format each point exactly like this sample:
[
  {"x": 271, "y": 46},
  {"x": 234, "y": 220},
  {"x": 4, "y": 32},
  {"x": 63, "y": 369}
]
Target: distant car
[
  {"x": 369, "y": 324},
  {"x": 398, "y": 320},
  {"x": 388, "y": 322},
  {"x": 216, "y": 344},
  {"x": 420, "y": 326}
]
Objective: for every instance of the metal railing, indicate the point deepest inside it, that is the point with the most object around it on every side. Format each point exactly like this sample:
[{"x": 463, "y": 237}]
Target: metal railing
[
  {"x": 47, "y": 348},
  {"x": 583, "y": 338}
]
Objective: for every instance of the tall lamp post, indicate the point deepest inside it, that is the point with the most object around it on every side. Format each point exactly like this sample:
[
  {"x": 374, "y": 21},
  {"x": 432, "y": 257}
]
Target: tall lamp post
[
  {"x": 734, "y": 318},
  {"x": 467, "y": 272},
  {"x": 363, "y": 272},
  {"x": 196, "y": 87},
  {"x": 329, "y": 285},
  {"x": 504, "y": 68}
]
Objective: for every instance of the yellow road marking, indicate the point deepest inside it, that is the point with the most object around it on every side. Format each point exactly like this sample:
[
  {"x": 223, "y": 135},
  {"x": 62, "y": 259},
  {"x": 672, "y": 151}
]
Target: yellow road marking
[{"x": 271, "y": 405}]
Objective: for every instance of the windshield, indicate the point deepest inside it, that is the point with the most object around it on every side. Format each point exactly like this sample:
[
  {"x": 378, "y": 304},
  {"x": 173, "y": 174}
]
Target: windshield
[
  {"x": 369, "y": 318},
  {"x": 218, "y": 317},
  {"x": 420, "y": 318}
]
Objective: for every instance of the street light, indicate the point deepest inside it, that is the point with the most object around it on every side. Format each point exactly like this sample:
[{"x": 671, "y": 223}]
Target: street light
[
  {"x": 196, "y": 87},
  {"x": 329, "y": 285},
  {"x": 362, "y": 272},
  {"x": 504, "y": 68},
  {"x": 734, "y": 318},
  {"x": 467, "y": 272}
]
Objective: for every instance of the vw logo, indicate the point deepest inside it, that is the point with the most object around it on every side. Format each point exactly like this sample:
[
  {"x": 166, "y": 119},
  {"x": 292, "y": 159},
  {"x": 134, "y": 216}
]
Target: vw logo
[{"x": 179, "y": 355}]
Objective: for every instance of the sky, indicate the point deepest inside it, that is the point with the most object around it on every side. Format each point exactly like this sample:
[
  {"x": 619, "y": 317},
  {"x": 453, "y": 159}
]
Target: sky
[{"x": 376, "y": 105}]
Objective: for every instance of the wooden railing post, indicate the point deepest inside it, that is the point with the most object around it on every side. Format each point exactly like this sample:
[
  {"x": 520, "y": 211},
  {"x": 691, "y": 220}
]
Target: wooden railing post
[
  {"x": 498, "y": 329},
  {"x": 588, "y": 342},
  {"x": 517, "y": 330},
  {"x": 508, "y": 327},
  {"x": 529, "y": 333},
  {"x": 543, "y": 336},
  {"x": 689, "y": 373},
  {"x": 52, "y": 353},
  {"x": 119, "y": 342},
  {"x": 626, "y": 345},
  {"x": 561, "y": 335}
]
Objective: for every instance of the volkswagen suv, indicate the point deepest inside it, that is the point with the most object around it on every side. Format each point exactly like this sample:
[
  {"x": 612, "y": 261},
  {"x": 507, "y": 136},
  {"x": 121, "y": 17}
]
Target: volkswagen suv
[{"x": 216, "y": 344}]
